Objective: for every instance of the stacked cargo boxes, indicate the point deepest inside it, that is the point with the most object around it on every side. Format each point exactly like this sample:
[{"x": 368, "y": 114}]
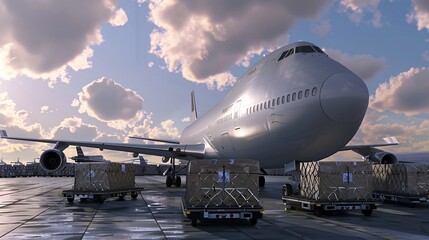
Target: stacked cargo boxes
[
  {"x": 405, "y": 179},
  {"x": 222, "y": 184},
  {"x": 102, "y": 177},
  {"x": 336, "y": 181}
]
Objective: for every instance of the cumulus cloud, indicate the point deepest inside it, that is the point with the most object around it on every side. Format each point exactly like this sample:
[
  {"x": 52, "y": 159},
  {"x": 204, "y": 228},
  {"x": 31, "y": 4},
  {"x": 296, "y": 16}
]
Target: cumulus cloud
[
  {"x": 420, "y": 14},
  {"x": 406, "y": 93},
  {"x": 202, "y": 39},
  {"x": 186, "y": 119},
  {"x": 47, "y": 39},
  {"x": 166, "y": 130},
  {"x": 357, "y": 10},
  {"x": 365, "y": 66},
  {"x": 150, "y": 64},
  {"x": 44, "y": 109},
  {"x": 107, "y": 101}
]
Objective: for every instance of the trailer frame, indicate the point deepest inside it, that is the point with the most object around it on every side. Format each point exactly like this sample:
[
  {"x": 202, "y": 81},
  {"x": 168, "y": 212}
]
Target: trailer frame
[
  {"x": 217, "y": 213},
  {"x": 412, "y": 201},
  {"x": 319, "y": 207},
  {"x": 100, "y": 196}
]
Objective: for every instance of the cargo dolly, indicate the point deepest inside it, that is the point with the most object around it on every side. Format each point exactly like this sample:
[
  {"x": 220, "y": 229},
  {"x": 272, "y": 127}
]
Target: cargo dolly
[
  {"x": 319, "y": 207},
  {"x": 412, "y": 201},
  {"x": 100, "y": 196},
  {"x": 218, "y": 213}
]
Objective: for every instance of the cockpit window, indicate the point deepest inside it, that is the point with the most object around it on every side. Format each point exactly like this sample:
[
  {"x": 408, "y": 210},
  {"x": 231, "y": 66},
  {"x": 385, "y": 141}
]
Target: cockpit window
[
  {"x": 286, "y": 54},
  {"x": 283, "y": 55},
  {"x": 318, "y": 49},
  {"x": 304, "y": 49}
]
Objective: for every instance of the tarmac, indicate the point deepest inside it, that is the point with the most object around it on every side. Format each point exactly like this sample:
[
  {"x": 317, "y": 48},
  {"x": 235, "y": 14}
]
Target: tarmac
[{"x": 33, "y": 208}]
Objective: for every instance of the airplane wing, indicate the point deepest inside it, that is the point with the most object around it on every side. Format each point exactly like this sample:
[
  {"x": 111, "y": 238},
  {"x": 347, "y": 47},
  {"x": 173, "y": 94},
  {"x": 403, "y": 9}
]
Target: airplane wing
[
  {"x": 181, "y": 151},
  {"x": 370, "y": 149},
  {"x": 156, "y": 140}
]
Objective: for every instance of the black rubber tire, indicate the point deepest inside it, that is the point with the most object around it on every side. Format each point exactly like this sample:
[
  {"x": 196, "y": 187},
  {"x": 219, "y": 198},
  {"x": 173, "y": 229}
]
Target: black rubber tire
[
  {"x": 84, "y": 200},
  {"x": 366, "y": 212},
  {"x": 178, "y": 182},
  {"x": 121, "y": 198},
  {"x": 318, "y": 212},
  {"x": 194, "y": 222},
  {"x": 70, "y": 199},
  {"x": 287, "y": 190},
  {"x": 134, "y": 195},
  {"x": 412, "y": 205},
  {"x": 253, "y": 221},
  {"x": 261, "y": 181},
  {"x": 168, "y": 181}
]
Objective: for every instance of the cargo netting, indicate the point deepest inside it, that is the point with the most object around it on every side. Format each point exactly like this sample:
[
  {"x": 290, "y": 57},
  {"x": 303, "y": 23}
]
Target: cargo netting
[
  {"x": 336, "y": 181},
  {"x": 407, "y": 179},
  {"x": 222, "y": 183},
  {"x": 101, "y": 177}
]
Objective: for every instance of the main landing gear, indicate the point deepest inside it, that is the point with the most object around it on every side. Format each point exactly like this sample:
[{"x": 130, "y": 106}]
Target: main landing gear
[{"x": 172, "y": 177}]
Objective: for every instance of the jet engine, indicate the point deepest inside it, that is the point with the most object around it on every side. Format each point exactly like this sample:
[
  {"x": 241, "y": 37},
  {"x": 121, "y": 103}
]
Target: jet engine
[
  {"x": 383, "y": 158},
  {"x": 53, "y": 160}
]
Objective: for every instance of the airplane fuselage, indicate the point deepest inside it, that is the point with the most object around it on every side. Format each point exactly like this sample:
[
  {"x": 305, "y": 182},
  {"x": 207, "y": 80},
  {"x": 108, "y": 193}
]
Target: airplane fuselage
[{"x": 300, "y": 106}]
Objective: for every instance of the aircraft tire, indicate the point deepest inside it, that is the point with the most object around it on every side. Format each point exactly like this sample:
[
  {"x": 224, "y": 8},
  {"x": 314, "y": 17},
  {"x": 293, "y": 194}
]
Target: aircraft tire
[
  {"x": 178, "y": 181},
  {"x": 169, "y": 181}
]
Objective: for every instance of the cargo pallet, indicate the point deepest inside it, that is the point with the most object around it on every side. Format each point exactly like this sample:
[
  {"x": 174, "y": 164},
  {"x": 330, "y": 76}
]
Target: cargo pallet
[
  {"x": 412, "y": 201},
  {"x": 102, "y": 195},
  {"x": 319, "y": 207},
  {"x": 218, "y": 213}
]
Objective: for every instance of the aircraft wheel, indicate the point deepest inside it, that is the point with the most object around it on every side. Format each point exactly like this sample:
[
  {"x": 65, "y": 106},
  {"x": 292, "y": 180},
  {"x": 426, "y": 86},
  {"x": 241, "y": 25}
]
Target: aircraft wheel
[
  {"x": 261, "y": 181},
  {"x": 169, "y": 181},
  {"x": 178, "y": 181}
]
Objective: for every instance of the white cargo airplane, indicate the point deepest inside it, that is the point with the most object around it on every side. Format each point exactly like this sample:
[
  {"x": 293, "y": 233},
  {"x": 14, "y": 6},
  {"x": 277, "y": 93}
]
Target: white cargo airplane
[{"x": 295, "y": 104}]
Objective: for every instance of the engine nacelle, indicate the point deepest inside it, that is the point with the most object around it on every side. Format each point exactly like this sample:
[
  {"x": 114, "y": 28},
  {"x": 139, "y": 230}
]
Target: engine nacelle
[
  {"x": 383, "y": 158},
  {"x": 53, "y": 160}
]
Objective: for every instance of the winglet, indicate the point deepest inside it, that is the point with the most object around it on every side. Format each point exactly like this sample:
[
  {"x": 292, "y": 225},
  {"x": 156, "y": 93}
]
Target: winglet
[
  {"x": 3, "y": 134},
  {"x": 391, "y": 140},
  {"x": 193, "y": 106}
]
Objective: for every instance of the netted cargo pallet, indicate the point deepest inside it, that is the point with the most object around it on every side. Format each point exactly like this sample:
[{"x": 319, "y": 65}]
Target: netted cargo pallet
[
  {"x": 336, "y": 181},
  {"x": 405, "y": 179},
  {"x": 222, "y": 183},
  {"x": 99, "y": 177}
]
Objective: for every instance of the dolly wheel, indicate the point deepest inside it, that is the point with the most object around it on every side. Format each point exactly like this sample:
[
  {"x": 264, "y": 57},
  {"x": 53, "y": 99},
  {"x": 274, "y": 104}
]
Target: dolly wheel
[
  {"x": 70, "y": 199},
  {"x": 134, "y": 195},
  {"x": 253, "y": 221},
  {"x": 318, "y": 212},
  {"x": 194, "y": 221},
  {"x": 367, "y": 212}
]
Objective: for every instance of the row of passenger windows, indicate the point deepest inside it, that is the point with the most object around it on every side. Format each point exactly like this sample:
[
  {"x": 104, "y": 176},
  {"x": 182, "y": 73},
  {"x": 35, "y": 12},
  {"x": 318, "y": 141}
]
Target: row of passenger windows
[
  {"x": 282, "y": 100},
  {"x": 300, "y": 49}
]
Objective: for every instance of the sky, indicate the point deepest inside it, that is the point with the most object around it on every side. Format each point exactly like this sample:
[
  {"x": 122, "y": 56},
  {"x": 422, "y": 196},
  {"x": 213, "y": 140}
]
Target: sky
[{"x": 104, "y": 70}]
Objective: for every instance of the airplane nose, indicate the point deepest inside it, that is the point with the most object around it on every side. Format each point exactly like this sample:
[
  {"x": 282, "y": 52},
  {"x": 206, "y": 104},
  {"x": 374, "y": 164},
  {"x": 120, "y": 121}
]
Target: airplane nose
[{"x": 344, "y": 98}]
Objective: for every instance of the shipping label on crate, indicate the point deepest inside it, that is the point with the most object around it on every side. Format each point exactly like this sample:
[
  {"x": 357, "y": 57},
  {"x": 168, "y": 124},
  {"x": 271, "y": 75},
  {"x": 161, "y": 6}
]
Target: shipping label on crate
[
  {"x": 221, "y": 177},
  {"x": 347, "y": 177}
]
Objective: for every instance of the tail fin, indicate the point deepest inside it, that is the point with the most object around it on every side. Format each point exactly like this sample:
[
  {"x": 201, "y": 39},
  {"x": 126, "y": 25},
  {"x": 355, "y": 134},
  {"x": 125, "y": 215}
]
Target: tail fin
[
  {"x": 79, "y": 151},
  {"x": 193, "y": 107}
]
